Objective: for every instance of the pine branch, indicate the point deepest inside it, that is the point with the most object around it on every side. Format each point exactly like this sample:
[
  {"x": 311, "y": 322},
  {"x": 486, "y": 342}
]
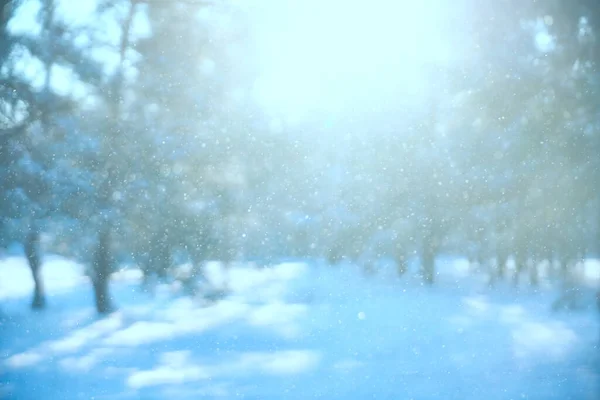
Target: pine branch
[
  {"x": 64, "y": 52},
  {"x": 8, "y": 134}
]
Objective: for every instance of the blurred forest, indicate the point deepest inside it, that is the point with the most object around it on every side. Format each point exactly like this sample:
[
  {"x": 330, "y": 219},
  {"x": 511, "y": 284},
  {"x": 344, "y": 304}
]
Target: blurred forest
[{"x": 135, "y": 137}]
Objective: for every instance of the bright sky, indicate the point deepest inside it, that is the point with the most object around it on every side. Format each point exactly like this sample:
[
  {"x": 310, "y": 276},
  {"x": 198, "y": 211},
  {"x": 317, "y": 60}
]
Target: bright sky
[{"x": 327, "y": 55}]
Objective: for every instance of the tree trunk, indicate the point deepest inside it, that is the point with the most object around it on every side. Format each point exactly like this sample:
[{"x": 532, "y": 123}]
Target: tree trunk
[
  {"x": 428, "y": 267},
  {"x": 428, "y": 261},
  {"x": 501, "y": 268},
  {"x": 101, "y": 272},
  {"x": 369, "y": 267},
  {"x": 429, "y": 249},
  {"x": 402, "y": 264},
  {"x": 159, "y": 254},
  {"x": 333, "y": 254},
  {"x": 146, "y": 272},
  {"x": 566, "y": 300},
  {"x": 519, "y": 266},
  {"x": 32, "y": 253},
  {"x": 534, "y": 276},
  {"x": 32, "y": 250},
  {"x": 147, "y": 276}
]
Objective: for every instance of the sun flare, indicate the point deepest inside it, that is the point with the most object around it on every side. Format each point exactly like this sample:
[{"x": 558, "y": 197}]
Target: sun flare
[{"x": 317, "y": 56}]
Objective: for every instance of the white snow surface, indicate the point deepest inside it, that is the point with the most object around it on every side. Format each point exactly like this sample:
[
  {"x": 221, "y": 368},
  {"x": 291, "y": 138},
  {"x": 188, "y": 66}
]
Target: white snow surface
[{"x": 294, "y": 331}]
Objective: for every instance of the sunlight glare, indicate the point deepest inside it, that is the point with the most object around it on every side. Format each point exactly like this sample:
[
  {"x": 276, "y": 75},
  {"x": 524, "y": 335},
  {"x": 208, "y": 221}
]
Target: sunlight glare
[{"x": 317, "y": 56}]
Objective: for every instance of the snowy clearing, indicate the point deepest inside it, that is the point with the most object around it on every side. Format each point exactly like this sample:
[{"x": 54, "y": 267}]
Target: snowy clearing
[{"x": 294, "y": 331}]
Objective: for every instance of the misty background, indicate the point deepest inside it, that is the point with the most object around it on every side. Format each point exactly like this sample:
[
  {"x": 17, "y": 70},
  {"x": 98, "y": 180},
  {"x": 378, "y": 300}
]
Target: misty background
[{"x": 151, "y": 134}]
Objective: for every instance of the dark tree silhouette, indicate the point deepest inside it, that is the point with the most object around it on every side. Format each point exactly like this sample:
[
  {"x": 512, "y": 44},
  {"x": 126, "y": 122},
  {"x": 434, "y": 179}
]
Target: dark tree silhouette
[
  {"x": 32, "y": 252},
  {"x": 101, "y": 269}
]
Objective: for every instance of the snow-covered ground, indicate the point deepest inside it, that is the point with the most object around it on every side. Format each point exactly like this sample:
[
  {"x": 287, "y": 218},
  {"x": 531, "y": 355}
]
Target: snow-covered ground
[{"x": 295, "y": 331}]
